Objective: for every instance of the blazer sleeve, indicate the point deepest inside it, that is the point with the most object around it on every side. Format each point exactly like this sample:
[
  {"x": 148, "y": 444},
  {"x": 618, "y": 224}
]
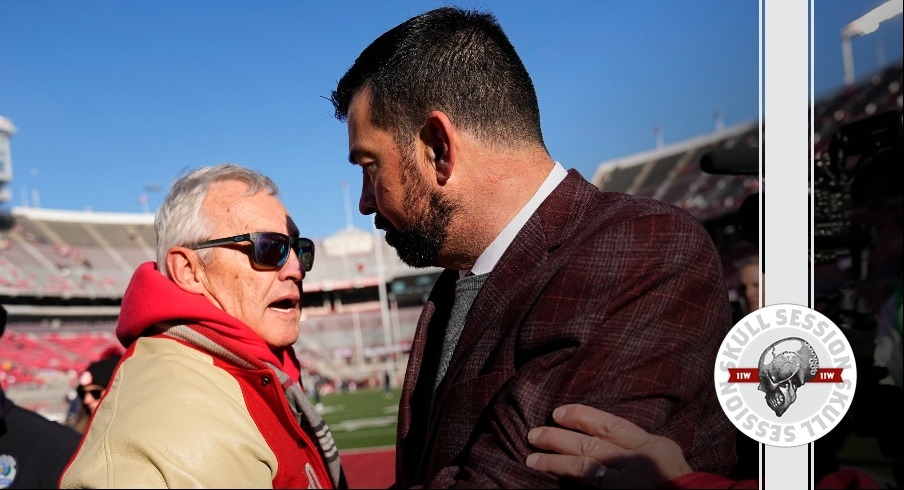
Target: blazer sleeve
[{"x": 629, "y": 321}]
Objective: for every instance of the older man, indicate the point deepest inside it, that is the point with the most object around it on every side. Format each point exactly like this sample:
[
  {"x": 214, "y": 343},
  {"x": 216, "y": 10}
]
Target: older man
[{"x": 207, "y": 394}]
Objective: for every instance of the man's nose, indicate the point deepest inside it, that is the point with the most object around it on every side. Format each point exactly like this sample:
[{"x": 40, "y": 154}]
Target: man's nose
[
  {"x": 368, "y": 203},
  {"x": 292, "y": 270}
]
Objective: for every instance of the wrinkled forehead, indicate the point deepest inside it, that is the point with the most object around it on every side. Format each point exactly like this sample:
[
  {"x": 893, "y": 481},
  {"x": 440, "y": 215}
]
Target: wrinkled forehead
[{"x": 230, "y": 210}]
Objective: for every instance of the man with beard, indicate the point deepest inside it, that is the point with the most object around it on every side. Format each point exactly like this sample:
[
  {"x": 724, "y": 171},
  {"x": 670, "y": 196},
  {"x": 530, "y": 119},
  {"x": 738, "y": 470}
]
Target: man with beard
[{"x": 554, "y": 292}]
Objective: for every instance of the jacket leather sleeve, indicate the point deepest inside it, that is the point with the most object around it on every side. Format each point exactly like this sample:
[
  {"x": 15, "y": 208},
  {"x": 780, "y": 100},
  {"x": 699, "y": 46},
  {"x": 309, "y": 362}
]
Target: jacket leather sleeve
[{"x": 185, "y": 425}]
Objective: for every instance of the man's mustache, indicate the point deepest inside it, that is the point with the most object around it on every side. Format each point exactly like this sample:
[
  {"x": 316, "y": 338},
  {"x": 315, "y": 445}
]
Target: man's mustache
[{"x": 382, "y": 223}]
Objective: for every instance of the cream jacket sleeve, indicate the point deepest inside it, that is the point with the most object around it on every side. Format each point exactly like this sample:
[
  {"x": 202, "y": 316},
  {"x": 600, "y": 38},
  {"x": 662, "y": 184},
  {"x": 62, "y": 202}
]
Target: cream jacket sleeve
[{"x": 172, "y": 419}]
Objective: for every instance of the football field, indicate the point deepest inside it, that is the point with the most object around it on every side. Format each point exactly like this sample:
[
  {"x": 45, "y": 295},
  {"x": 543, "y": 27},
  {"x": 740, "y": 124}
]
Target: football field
[
  {"x": 363, "y": 424},
  {"x": 362, "y": 418}
]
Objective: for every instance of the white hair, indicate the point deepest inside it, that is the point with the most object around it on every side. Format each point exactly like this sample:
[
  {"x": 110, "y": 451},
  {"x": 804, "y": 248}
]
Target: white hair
[{"x": 180, "y": 220}]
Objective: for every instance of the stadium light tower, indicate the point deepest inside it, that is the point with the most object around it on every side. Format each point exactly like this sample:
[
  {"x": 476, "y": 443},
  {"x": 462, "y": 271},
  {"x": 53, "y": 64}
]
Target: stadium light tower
[
  {"x": 867, "y": 24},
  {"x": 349, "y": 224},
  {"x": 7, "y": 130}
]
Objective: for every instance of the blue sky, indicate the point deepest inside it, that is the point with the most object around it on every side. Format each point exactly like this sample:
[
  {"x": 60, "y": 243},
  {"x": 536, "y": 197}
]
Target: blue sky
[{"x": 110, "y": 97}]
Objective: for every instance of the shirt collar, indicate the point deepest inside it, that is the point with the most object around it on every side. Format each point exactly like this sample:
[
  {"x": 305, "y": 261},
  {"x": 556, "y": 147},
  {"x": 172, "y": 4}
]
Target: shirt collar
[{"x": 488, "y": 259}]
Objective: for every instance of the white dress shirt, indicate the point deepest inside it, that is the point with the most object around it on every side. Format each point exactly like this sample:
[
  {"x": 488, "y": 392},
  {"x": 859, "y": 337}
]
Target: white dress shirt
[{"x": 488, "y": 259}]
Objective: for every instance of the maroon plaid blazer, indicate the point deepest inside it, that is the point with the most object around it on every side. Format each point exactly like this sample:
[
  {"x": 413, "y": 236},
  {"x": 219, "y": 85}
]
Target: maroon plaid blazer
[{"x": 605, "y": 299}]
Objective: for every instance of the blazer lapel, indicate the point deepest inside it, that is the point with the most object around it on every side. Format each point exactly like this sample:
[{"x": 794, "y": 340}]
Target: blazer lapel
[
  {"x": 518, "y": 278},
  {"x": 417, "y": 390},
  {"x": 522, "y": 271}
]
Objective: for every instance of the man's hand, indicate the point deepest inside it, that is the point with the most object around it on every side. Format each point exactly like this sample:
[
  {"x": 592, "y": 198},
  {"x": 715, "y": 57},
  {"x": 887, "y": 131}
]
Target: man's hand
[{"x": 604, "y": 450}]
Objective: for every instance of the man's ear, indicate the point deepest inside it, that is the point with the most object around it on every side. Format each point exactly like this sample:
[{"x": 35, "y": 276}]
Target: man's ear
[
  {"x": 438, "y": 137},
  {"x": 184, "y": 269}
]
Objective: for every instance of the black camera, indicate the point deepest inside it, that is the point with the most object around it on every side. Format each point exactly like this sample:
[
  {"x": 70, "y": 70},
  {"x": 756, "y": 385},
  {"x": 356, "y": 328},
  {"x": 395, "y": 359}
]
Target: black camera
[
  {"x": 845, "y": 172},
  {"x": 841, "y": 181}
]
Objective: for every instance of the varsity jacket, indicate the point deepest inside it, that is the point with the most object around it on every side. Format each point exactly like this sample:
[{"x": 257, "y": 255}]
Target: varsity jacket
[{"x": 199, "y": 400}]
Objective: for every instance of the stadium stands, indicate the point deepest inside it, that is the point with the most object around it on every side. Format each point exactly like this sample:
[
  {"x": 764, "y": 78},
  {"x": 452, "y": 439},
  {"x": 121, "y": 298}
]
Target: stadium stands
[
  {"x": 90, "y": 255},
  {"x": 879, "y": 92},
  {"x": 73, "y": 254},
  {"x": 63, "y": 273},
  {"x": 672, "y": 174}
]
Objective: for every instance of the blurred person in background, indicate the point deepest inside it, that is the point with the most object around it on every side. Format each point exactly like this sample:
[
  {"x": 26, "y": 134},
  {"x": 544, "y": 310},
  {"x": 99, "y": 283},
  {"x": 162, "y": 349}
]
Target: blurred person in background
[
  {"x": 749, "y": 283},
  {"x": 33, "y": 450},
  {"x": 92, "y": 384},
  {"x": 208, "y": 393},
  {"x": 888, "y": 352},
  {"x": 387, "y": 384},
  {"x": 554, "y": 292},
  {"x": 747, "y": 272},
  {"x": 887, "y": 395}
]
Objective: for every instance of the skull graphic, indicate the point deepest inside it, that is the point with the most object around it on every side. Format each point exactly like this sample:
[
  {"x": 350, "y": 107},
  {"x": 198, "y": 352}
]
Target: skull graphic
[{"x": 784, "y": 367}]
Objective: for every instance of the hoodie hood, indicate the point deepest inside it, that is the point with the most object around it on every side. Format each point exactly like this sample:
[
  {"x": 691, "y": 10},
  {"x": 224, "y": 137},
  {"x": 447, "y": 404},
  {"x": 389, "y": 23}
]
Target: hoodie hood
[{"x": 151, "y": 299}]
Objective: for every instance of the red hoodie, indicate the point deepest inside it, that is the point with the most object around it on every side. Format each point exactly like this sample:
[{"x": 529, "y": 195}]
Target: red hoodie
[
  {"x": 180, "y": 406},
  {"x": 151, "y": 299}
]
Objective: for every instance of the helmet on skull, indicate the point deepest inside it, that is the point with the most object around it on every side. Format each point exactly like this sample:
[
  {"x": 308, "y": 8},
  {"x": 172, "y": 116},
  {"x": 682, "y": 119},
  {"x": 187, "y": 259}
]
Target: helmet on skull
[{"x": 785, "y": 366}]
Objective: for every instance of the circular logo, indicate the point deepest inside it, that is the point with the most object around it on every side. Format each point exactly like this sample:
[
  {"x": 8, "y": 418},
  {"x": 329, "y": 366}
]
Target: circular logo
[
  {"x": 785, "y": 375},
  {"x": 8, "y": 468}
]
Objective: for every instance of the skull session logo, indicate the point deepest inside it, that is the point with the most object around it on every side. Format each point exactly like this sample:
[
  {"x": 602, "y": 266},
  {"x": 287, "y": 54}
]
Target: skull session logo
[
  {"x": 780, "y": 375},
  {"x": 785, "y": 375}
]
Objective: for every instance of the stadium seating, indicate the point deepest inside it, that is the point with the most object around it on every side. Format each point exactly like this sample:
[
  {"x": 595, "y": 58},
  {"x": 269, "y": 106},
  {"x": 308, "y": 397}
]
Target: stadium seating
[
  {"x": 59, "y": 259},
  {"x": 672, "y": 174}
]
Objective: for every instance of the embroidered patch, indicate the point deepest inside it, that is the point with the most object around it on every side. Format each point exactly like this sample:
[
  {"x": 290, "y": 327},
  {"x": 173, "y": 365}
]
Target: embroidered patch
[{"x": 8, "y": 468}]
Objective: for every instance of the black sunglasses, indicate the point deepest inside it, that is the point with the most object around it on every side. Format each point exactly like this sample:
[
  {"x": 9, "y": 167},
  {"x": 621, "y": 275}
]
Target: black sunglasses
[
  {"x": 271, "y": 249},
  {"x": 96, "y": 393}
]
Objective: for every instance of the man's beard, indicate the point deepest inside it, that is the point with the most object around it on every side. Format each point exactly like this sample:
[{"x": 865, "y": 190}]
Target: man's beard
[{"x": 420, "y": 243}]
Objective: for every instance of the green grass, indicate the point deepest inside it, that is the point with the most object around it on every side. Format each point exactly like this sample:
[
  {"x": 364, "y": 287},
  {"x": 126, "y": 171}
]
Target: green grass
[{"x": 362, "y": 419}]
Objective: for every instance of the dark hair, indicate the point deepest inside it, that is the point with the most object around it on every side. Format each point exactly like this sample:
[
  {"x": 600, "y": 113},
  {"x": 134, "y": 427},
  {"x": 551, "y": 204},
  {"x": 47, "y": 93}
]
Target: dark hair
[{"x": 456, "y": 61}]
